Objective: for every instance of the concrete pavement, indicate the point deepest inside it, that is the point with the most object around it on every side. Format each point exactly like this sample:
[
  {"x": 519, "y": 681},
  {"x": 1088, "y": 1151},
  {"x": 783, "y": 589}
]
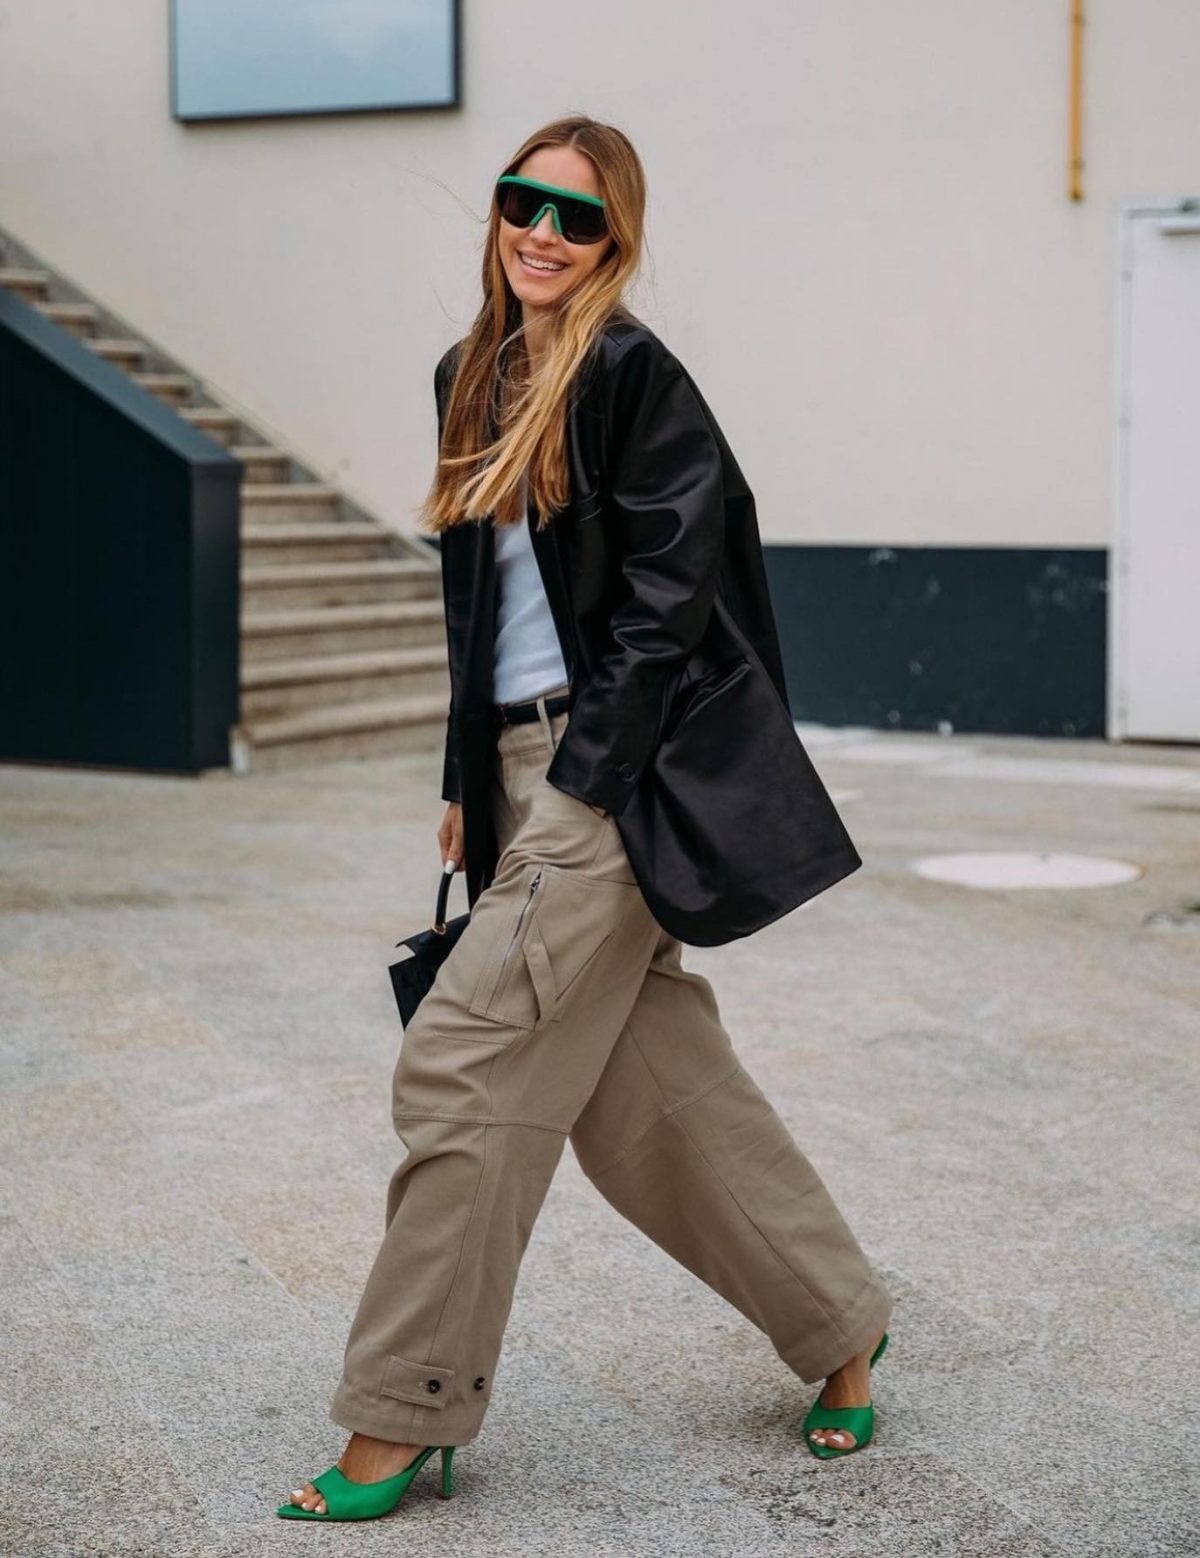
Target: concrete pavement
[{"x": 999, "y": 1086}]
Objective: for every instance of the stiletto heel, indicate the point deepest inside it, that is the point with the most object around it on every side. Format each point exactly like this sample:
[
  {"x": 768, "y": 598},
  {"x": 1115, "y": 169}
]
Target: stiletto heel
[
  {"x": 859, "y": 1420},
  {"x": 346, "y": 1500},
  {"x": 447, "y": 1463}
]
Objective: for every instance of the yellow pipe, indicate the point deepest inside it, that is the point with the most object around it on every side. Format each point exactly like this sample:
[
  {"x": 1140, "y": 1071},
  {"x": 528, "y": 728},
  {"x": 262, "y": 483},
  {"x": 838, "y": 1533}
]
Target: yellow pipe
[{"x": 1076, "y": 159}]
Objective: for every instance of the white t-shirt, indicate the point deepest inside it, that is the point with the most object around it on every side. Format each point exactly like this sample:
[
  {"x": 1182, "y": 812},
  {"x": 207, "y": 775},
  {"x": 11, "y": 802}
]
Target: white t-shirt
[{"x": 526, "y": 656}]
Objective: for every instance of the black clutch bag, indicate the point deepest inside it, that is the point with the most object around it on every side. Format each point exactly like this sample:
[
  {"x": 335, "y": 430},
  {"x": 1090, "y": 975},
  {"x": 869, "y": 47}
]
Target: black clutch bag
[{"x": 412, "y": 976}]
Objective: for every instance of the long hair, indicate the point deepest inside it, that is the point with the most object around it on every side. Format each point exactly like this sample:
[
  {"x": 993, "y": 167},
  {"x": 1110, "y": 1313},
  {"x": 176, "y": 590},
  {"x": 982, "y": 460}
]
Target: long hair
[{"x": 478, "y": 476}]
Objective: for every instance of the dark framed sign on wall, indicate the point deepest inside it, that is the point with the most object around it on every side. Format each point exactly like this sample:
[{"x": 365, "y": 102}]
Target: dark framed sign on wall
[{"x": 240, "y": 59}]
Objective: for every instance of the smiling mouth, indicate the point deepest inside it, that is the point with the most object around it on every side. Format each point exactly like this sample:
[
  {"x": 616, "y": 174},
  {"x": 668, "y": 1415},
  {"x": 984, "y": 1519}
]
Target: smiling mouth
[{"x": 542, "y": 268}]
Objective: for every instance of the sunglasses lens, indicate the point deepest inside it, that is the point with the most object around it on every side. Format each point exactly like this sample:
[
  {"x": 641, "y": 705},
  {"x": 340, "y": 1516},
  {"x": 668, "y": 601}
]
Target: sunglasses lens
[
  {"x": 581, "y": 221},
  {"x": 517, "y": 203}
]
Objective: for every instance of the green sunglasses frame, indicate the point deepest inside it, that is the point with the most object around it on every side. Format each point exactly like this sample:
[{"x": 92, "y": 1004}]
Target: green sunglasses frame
[{"x": 553, "y": 189}]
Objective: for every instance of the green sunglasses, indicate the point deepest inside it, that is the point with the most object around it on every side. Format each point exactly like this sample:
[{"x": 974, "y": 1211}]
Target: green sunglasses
[{"x": 579, "y": 218}]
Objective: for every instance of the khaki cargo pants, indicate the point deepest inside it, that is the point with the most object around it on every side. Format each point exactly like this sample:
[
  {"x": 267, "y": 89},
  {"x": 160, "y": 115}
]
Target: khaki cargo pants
[{"x": 563, "y": 1011}]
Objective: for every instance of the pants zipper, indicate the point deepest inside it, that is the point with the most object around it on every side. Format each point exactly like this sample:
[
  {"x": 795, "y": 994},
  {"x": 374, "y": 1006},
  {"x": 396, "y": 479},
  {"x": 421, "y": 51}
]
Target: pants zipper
[{"x": 533, "y": 887}]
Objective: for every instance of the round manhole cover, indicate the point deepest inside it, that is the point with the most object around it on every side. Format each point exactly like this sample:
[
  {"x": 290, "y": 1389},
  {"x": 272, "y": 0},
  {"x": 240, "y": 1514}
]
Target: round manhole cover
[{"x": 1012, "y": 868}]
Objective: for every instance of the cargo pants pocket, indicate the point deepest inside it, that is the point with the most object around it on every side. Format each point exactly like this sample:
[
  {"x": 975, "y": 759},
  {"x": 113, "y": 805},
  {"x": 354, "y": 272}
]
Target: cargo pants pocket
[{"x": 552, "y": 938}]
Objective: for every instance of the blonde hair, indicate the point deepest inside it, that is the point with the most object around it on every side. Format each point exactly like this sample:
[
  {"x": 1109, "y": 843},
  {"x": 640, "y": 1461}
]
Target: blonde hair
[{"x": 475, "y": 477}]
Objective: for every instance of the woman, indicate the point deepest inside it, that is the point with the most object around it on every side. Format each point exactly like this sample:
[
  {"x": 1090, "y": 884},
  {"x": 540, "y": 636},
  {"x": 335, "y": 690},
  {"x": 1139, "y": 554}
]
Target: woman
[{"x": 622, "y": 774}]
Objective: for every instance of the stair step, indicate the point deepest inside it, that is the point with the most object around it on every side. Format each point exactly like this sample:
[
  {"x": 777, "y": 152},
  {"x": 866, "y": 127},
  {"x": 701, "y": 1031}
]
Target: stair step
[
  {"x": 286, "y": 686},
  {"x": 289, "y": 502},
  {"x": 278, "y": 635},
  {"x": 342, "y": 541},
  {"x": 213, "y": 420},
  {"x": 24, "y": 280},
  {"x": 261, "y": 463},
  {"x": 273, "y": 585},
  {"x": 117, "y": 349},
  {"x": 374, "y": 728},
  {"x": 80, "y": 319},
  {"x": 318, "y": 668},
  {"x": 173, "y": 388}
]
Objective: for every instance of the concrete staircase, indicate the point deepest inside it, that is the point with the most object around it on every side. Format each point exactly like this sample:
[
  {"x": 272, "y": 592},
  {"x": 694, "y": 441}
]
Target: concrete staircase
[{"x": 343, "y": 647}]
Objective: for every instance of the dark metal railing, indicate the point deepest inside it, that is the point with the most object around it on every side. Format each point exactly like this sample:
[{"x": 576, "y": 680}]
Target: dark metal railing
[{"x": 119, "y": 564}]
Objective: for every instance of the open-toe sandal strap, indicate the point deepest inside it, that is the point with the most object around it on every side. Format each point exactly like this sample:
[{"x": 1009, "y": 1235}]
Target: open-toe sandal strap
[
  {"x": 346, "y": 1500},
  {"x": 840, "y": 1417},
  {"x": 336, "y": 1489}
]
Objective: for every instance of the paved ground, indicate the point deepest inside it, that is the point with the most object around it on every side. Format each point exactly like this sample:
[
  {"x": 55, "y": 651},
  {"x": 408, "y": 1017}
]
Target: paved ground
[{"x": 998, "y": 1086}]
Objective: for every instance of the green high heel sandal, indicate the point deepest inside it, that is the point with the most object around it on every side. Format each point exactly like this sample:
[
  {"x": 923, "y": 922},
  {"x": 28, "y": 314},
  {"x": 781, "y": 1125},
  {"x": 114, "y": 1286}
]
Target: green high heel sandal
[
  {"x": 346, "y": 1500},
  {"x": 859, "y": 1420}
]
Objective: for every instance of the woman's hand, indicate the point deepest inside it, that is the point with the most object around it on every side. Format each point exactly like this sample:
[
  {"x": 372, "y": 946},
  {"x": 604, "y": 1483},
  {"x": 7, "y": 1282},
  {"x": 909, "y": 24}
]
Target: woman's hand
[{"x": 450, "y": 835}]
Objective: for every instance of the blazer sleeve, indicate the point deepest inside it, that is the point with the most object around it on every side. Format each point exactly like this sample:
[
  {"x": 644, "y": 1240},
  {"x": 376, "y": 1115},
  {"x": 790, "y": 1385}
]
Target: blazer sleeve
[
  {"x": 451, "y": 781},
  {"x": 666, "y": 500}
]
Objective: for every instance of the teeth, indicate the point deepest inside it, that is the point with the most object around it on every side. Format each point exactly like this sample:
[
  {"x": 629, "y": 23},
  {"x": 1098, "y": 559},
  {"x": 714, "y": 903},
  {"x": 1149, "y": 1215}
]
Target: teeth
[{"x": 542, "y": 264}]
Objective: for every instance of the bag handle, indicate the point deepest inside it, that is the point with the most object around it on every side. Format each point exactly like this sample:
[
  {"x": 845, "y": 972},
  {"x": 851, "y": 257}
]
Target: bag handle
[{"x": 439, "y": 914}]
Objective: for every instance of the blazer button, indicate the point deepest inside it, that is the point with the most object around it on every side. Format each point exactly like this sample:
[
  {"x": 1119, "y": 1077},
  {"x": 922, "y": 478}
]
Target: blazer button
[
  {"x": 479, "y": 1383},
  {"x": 434, "y": 1386},
  {"x": 626, "y": 770}
]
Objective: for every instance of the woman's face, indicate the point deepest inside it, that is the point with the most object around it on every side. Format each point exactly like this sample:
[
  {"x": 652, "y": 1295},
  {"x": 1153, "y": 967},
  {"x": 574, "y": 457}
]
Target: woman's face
[{"x": 567, "y": 264}]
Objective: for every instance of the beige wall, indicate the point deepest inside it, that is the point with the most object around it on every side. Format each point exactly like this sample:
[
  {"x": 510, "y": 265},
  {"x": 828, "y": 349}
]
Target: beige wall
[{"x": 860, "y": 240}]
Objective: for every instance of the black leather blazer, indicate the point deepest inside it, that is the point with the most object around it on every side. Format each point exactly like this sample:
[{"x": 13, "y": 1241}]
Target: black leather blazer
[{"x": 680, "y": 723}]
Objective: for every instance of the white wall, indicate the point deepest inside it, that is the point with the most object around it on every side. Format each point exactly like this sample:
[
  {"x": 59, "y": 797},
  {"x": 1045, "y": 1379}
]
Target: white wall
[{"x": 860, "y": 239}]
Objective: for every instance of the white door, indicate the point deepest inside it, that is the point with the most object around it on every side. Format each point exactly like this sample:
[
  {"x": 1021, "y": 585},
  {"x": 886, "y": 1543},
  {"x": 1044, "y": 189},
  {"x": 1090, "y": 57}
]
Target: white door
[{"x": 1154, "y": 589}]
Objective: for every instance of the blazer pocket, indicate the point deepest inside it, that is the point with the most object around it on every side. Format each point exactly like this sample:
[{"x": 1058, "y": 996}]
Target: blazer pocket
[
  {"x": 694, "y": 696},
  {"x": 552, "y": 940}
]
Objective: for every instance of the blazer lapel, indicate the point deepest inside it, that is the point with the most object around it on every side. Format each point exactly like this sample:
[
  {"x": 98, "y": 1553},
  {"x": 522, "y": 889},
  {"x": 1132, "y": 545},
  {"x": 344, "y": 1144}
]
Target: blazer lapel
[{"x": 481, "y": 611}]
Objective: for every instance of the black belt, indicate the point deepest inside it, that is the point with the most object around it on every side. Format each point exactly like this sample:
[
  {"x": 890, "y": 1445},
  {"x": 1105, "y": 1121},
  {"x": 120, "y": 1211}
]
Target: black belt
[{"x": 519, "y": 713}]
